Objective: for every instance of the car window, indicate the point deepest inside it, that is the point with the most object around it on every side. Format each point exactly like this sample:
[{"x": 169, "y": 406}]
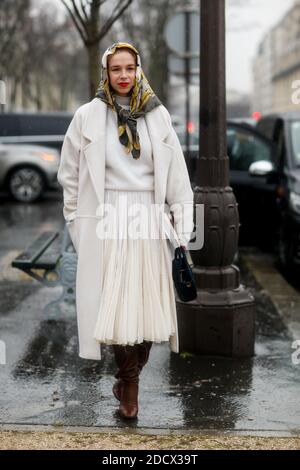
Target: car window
[
  {"x": 267, "y": 127},
  {"x": 244, "y": 148},
  {"x": 9, "y": 125}
]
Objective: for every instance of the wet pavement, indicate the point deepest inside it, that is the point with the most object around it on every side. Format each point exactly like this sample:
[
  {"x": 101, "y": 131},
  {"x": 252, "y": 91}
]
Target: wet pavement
[{"x": 44, "y": 382}]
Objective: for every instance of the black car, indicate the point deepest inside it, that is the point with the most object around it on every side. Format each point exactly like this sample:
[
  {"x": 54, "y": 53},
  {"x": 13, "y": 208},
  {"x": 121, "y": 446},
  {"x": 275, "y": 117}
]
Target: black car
[
  {"x": 265, "y": 177},
  {"x": 255, "y": 191},
  {"x": 47, "y": 129},
  {"x": 283, "y": 130}
]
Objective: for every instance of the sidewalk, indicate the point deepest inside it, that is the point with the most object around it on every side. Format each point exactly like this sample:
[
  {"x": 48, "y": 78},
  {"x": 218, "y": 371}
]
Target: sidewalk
[{"x": 103, "y": 440}]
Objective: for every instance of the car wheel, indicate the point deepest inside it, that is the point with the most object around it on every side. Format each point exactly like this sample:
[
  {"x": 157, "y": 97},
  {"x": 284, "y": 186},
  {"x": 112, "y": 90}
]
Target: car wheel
[{"x": 26, "y": 184}]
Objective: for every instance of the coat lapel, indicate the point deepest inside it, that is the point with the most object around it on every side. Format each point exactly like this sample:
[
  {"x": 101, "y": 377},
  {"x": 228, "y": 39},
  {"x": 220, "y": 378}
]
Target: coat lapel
[
  {"x": 94, "y": 131},
  {"x": 94, "y": 151}
]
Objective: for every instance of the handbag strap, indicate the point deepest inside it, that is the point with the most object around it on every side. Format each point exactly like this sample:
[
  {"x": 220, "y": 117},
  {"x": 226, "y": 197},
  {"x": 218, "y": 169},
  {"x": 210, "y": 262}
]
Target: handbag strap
[
  {"x": 176, "y": 243},
  {"x": 173, "y": 235}
]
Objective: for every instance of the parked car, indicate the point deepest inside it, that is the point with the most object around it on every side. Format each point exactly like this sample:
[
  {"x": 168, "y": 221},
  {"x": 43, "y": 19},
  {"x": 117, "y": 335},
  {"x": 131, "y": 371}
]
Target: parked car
[
  {"x": 245, "y": 120},
  {"x": 47, "y": 129},
  {"x": 283, "y": 130},
  {"x": 26, "y": 171},
  {"x": 265, "y": 176},
  {"x": 255, "y": 192}
]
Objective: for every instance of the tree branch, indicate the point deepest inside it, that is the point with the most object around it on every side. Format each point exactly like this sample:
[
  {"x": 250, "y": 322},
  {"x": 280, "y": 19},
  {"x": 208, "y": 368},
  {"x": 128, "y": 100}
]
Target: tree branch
[
  {"x": 79, "y": 17},
  {"x": 83, "y": 7},
  {"x": 106, "y": 27},
  {"x": 75, "y": 21}
]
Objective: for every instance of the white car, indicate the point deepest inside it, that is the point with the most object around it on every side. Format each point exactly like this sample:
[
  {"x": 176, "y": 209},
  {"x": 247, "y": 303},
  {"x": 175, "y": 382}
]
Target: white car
[{"x": 26, "y": 171}]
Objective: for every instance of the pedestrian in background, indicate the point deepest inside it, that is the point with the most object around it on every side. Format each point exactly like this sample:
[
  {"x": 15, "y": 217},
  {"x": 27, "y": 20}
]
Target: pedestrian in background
[{"x": 121, "y": 152}]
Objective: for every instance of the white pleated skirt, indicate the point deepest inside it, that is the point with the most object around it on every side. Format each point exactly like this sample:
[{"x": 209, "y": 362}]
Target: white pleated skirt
[{"x": 137, "y": 298}]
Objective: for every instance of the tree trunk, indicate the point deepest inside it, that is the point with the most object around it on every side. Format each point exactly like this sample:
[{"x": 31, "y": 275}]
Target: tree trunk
[
  {"x": 38, "y": 99},
  {"x": 93, "y": 67},
  {"x": 158, "y": 71}
]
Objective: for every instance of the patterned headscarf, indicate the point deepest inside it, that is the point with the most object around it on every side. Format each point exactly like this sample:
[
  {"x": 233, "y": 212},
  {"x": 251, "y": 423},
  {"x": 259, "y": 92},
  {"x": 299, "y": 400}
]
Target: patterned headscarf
[{"x": 143, "y": 100}]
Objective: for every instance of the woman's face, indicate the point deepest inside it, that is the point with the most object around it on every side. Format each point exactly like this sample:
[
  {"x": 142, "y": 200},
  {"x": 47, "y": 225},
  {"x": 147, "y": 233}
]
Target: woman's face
[{"x": 121, "y": 72}]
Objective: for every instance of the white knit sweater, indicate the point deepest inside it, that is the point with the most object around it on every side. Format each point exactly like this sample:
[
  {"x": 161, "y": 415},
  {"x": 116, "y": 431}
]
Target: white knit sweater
[{"x": 122, "y": 171}]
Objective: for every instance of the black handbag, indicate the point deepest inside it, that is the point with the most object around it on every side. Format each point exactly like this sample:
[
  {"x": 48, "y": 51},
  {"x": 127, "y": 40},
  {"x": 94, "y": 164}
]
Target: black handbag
[
  {"x": 183, "y": 276},
  {"x": 182, "y": 273}
]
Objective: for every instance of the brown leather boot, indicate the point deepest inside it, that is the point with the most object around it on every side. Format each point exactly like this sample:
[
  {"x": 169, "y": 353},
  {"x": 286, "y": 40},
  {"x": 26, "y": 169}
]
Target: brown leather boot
[
  {"x": 120, "y": 358},
  {"x": 143, "y": 356},
  {"x": 128, "y": 383},
  {"x": 117, "y": 389},
  {"x": 144, "y": 351},
  {"x": 129, "y": 407}
]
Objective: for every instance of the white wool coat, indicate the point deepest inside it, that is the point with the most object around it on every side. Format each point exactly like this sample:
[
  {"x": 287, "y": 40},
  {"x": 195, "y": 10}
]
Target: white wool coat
[{"x": 82, "y": 175}]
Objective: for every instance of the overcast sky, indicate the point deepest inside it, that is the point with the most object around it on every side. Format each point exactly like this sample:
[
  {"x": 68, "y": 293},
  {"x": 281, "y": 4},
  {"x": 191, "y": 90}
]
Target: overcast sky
[{"x": 241, "y": 45}]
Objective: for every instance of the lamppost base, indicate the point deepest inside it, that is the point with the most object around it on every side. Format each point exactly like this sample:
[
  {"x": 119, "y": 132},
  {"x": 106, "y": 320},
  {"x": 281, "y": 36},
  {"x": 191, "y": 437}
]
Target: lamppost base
[{"x": 220, "y": 323}]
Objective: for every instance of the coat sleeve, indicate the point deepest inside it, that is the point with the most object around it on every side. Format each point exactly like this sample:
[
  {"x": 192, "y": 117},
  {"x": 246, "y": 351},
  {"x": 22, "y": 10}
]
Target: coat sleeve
[
  {"x": 68, "y": 171},
  {"x": 179, "y": 194}
]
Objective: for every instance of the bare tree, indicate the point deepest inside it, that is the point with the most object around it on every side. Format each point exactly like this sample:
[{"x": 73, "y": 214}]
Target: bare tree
[
  {"x": 43, "y": 61},
  {"x": 49, "y": 55},
  {"x": 13, "y": 15},
  {"x": 86, "y": 17}
]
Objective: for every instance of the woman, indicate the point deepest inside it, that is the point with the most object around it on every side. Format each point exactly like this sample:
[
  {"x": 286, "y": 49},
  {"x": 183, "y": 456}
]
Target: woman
[{"x": 121, "y": 153}]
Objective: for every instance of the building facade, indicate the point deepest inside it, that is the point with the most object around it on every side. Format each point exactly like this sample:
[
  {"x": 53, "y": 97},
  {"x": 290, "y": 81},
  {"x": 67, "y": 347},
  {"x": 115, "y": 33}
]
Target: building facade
[{"x": 276, "y": 67}]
